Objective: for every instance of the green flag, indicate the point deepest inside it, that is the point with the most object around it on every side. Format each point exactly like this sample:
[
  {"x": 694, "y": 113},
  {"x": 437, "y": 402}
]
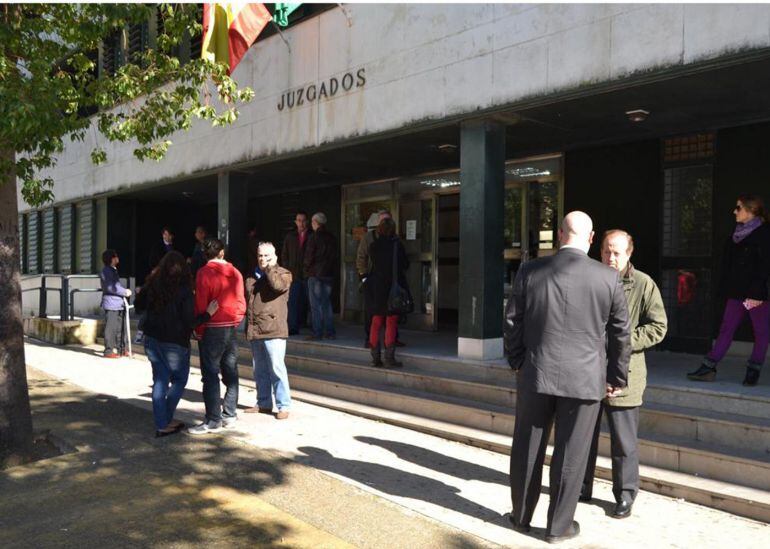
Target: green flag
[{"x": 282, "y": 11}]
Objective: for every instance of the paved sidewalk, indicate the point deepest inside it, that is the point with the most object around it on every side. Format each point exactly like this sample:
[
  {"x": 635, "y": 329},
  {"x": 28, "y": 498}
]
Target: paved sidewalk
[{"x": 460, "y": 488}]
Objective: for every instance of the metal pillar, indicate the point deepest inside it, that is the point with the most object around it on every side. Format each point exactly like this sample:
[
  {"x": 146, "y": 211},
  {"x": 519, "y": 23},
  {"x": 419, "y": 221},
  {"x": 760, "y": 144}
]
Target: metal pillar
[{"x": 482, "y": 195}]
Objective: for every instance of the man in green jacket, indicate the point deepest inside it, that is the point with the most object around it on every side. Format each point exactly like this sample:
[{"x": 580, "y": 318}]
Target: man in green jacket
[{"x": 648, "y": 325}]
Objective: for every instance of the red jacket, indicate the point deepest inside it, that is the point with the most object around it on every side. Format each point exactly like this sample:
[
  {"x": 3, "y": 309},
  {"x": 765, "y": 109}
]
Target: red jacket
[{"x": 221, "y": 281}]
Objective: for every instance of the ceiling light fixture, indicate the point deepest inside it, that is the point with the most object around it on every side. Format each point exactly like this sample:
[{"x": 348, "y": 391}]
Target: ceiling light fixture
[
  {"x": 527, "y": 171},
  {"x": 439, "y": 183},
  {"x": 447, "y": 147},
  {"x": 637, "y": 115}
]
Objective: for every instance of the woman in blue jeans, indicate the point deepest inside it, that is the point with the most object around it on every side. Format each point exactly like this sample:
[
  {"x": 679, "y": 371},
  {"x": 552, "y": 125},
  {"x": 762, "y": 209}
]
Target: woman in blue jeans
[{"x": 168, "y": 302}]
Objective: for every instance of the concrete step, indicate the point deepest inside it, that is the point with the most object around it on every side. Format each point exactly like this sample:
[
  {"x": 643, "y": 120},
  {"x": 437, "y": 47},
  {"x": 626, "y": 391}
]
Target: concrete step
[
  {"x": 732, "y": 449},
  {"x": 702, "y": 485},
  {"x": 659, "y": 450},
  {"x": 740, "y": 433},
  {"x": 739, "y": 500},
  {"x": 729, "y": 399}
]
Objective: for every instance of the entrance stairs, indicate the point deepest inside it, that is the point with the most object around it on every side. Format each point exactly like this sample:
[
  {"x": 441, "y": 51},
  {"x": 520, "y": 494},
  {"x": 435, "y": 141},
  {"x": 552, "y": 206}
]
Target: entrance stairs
[{"x": 705, "y": 443}]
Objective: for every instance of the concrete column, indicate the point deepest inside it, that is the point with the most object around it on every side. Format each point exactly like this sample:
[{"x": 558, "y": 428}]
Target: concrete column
[
  {"x": 232, "y": 213},
  {"x": 482, "y": 176}
]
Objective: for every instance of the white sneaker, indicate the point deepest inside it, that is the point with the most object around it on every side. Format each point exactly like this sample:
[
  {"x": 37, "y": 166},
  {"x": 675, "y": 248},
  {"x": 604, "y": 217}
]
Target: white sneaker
[
  {"x": 205, "y": 428},
  {"x": 228, "y": 422}
]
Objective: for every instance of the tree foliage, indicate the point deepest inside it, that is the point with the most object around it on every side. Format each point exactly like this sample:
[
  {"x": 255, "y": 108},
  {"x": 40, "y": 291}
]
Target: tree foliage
[{"x": 48, "y": 80}]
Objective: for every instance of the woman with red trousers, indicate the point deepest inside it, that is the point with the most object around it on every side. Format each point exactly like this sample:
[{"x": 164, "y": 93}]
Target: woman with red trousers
[{"x": 382, "y": 252}]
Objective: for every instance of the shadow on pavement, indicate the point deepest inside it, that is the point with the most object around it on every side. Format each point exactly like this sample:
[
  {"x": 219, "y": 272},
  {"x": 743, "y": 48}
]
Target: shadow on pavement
[
  {"x": 433, "y": 460},
  {"x": 125, "y": 488},
  {"x": 396, "y": 482}
]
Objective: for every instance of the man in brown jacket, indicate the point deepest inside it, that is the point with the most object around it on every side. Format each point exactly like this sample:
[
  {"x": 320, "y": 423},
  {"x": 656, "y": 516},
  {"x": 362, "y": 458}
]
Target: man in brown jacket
[{"x": 267, "y": 295}]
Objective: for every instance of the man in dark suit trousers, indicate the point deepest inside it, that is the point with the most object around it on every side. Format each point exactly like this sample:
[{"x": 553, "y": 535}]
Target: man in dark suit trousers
[{"x": 567, "y": 337}]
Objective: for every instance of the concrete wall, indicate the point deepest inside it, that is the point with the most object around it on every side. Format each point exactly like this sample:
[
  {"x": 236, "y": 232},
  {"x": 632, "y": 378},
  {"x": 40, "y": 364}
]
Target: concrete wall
[{"x": 424, "y": 63}]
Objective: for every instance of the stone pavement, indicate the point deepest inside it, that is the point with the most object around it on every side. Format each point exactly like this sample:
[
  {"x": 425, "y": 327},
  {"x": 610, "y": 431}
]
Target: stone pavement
[{"x": 446, "y": 494}]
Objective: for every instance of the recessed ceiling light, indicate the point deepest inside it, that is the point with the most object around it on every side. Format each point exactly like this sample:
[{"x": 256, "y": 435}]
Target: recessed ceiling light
[
  {"x": 637, "y": 115},
  {"x": 447, "y": 147}
]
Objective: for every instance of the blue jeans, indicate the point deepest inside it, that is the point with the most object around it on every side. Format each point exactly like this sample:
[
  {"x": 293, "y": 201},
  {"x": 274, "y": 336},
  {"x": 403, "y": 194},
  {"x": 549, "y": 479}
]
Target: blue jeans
[
  {"x": 297, "y": 305},
  {"x": 320, "y": 292},
  {"x": 219, "y": 354},
  {"x": 170, "y": 364},
  {"x": 270, "y": 373}
]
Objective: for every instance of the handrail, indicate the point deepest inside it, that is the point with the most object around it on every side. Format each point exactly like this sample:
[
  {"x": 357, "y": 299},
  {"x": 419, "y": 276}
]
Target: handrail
[
  {"x": 73, "y": 291},
  {"x": 66, "y": 296}
]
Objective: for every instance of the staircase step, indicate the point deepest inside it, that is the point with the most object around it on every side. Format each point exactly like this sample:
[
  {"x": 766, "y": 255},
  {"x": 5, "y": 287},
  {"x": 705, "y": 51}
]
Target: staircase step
[
  {"x": 701, "y": 473},
  {"x": 686, "y": 456},
  {"x": 715, "y": 427},
  {"x": 740, "y": 500},
  {"x": 729, "y": 398}
]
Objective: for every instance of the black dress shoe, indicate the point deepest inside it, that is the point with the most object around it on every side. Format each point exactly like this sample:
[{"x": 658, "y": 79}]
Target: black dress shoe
[
  {"x": 572, "y": 532},
  {"x": 585, "y": 497},
  {"x": 523, "y": 528},
  {"x": 622, "y": 510}
]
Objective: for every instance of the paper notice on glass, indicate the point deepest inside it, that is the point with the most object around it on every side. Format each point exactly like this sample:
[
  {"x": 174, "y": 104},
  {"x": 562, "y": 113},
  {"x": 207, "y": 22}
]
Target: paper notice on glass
[{"x": 411, "y": 229}]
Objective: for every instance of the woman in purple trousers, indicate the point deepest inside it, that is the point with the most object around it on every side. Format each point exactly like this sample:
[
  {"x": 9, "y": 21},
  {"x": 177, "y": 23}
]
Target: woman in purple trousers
[{"x": 745, "y": 272}]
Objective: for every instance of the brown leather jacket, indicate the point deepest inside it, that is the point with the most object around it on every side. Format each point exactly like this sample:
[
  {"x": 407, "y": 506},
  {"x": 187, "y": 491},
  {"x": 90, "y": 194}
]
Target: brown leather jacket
[{"x": 267, "y": 304}]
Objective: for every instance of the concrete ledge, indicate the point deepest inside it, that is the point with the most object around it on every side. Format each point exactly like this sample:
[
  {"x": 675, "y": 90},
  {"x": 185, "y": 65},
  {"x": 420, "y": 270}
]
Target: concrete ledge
[
  {"x": 83, "y": 331},
  {"x": 480, "y": 349}
]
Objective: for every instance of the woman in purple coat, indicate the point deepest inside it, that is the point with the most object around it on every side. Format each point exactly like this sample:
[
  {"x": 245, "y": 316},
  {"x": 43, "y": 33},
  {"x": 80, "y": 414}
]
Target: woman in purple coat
[
  {"x": 745, "y": 273},
  {"x": 113, "y": 292}
]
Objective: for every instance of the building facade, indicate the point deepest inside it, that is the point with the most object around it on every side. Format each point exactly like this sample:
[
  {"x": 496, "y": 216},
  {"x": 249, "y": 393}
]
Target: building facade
[{"x": 479, "y": 126}]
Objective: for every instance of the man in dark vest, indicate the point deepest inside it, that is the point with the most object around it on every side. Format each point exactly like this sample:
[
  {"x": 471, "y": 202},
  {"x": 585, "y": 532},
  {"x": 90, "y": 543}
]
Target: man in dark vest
[
  {"x": 293, "y": 258},
  {"x": 567, "y": 338}
]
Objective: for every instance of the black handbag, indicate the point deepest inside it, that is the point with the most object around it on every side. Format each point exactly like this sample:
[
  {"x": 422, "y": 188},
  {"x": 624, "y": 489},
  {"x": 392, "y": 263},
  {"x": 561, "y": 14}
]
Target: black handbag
[{"x": 400, "y": 300}]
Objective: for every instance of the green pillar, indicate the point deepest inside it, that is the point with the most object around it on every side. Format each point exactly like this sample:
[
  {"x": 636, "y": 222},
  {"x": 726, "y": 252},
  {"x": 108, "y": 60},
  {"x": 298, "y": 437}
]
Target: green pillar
[
  {"x": 233, "y": 200},
  {"x": 482, "y": 176}
]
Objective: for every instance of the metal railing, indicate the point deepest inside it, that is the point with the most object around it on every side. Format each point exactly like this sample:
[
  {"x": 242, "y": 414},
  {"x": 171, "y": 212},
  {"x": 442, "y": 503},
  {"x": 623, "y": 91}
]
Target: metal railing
[{"x": 66, "y": 296}]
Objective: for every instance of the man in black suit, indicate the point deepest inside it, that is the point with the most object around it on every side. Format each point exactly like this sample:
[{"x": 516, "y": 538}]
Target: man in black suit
[
  {"x": 567, "y": 338},
  {"x": 159, "y": 249}
]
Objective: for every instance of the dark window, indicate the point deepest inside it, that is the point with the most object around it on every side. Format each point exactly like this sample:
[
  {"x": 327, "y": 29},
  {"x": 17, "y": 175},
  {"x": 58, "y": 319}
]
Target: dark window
[
  {"x": 33, "y": 243},
  {"x": 196, "y": 42},
  {"x": 687, "y": 238},
  {"x": 84, "y": 237},
  {"x": 22, "y": 243},
  {"x": 65, "y": 238},
  {"x": 687, "y": 199},
  {"x": 49, "y": 241},
  {"x": 112, "y": 53},
  {"x": 138, "y": 41}
]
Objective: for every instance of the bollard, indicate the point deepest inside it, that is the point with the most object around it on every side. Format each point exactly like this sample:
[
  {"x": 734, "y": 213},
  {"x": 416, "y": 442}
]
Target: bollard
[
  {"x": 63, "y": 297},
  {"x": 43, "y": 298}
]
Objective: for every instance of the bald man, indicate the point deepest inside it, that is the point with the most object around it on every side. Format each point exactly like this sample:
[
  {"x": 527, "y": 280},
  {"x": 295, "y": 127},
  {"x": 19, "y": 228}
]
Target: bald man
[{"x": 567, "y": 337}]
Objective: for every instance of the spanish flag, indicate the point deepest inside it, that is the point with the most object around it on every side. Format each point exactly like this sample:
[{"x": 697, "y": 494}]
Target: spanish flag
[{"x": 230, "y": 29}]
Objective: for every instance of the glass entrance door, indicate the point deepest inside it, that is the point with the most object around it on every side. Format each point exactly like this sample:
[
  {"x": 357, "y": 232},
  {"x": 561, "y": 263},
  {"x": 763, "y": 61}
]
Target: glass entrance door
[
  {"x": 360, "y": 203},
  {"x": 416, "y": 227}
]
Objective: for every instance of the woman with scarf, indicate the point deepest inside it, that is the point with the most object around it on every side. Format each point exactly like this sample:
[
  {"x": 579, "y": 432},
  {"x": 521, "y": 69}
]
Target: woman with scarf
[{"x": 745, "y": 272}]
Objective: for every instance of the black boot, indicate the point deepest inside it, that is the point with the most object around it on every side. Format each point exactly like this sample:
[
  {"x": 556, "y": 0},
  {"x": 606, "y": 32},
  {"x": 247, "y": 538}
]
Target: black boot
[
  {"x": 390, "y": 358},
  {"x": 376, "y": 359},
  {"x": 752, "y": 374},
  {"x": 706, "y": 372}
]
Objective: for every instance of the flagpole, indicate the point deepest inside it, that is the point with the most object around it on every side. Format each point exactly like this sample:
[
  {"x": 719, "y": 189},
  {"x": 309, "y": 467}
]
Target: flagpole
[
  {"x": 280, "y": 32},
  {"x": 347, "y": 14}
]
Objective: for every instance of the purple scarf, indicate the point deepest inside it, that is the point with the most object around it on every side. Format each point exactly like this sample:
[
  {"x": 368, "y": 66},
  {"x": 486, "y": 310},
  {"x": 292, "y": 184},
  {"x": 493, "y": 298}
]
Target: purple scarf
[{"x": 742, "y": 230}]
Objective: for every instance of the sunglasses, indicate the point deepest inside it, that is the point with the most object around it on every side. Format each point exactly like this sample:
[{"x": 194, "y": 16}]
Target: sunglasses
[{"x": 738, "y": 208}]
